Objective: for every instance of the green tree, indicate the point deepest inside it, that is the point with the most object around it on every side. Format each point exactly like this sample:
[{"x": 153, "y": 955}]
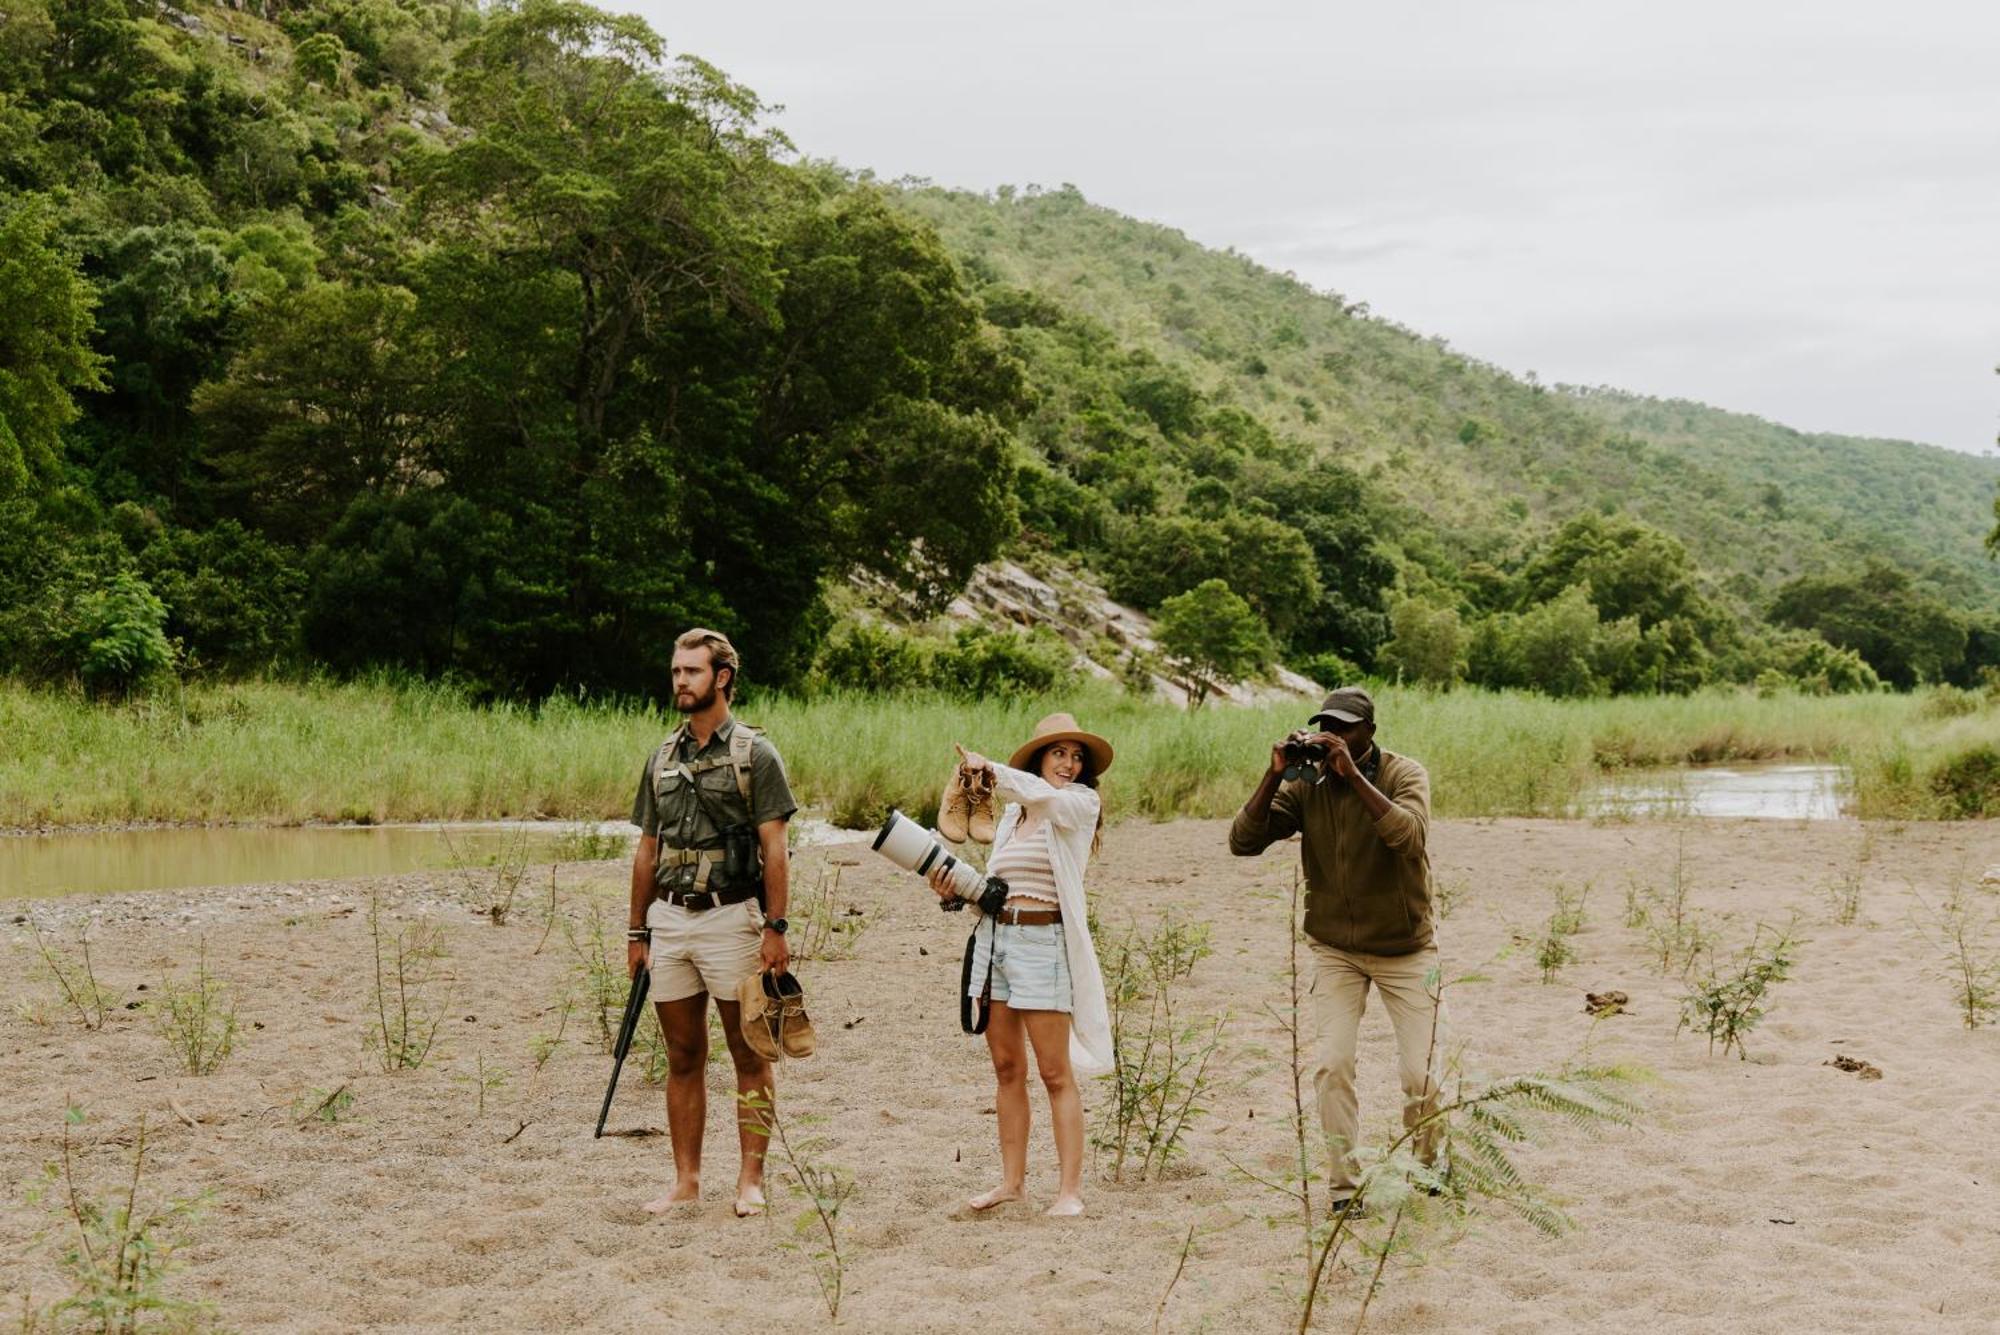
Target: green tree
[
  {"x": 1629, "y": 569},
  {"x": 1557, "y": 645},
  {"x": 1907, "y": 635},
  {"x": 1211, "y": 636},
  {"x": 645, "y": 184},
  {"x": 166, "y": 316},
  {"x": 328, "y": 399},
  {"x": 45, "y": 356},
  {"x": 1427, "y": 644}
]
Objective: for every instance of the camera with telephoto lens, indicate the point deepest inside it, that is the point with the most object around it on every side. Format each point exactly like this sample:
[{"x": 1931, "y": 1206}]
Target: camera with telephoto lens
[
  {"x": 913, "y": 848},
  {"x": 1304, "y": 757}
]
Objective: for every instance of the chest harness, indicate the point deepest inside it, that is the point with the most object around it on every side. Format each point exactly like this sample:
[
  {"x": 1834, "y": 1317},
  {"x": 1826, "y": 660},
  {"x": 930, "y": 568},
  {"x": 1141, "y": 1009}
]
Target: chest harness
[{"x": 706, "y": 862}]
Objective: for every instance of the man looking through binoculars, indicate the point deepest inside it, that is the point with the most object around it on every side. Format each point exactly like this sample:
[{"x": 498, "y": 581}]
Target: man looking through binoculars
[{"x": 1362, "y": 815}]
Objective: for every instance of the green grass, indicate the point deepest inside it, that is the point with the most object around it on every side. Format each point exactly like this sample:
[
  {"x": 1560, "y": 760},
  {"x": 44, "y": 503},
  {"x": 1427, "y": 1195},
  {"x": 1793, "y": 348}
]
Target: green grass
[{"x": 383, "y": 751}]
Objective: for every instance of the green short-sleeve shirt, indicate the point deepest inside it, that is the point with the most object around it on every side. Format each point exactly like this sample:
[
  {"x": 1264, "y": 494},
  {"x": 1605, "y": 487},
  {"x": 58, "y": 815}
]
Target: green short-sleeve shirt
[{"x": 681, "y": 819}]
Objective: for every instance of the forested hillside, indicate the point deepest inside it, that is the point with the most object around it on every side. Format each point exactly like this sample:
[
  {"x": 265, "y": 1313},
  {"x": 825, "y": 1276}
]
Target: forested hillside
[
  {"x": 1487, "y": 457},
  {"x": 490, "y": 343},
  {"x": 1885, "y": 496}
]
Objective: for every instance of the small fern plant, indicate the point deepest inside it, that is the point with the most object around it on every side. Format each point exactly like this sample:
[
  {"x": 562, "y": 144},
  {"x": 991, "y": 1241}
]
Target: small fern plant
[{"x": 1483, "y": 1129}]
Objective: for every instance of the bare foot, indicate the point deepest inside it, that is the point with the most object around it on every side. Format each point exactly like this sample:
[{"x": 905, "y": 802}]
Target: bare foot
[
  {"x": 1065, "y": 1207},
  {"x": 986, "y": 1200},
  {"x": 678, "y": 1194},
  {"x": 749, "y": 1199}
]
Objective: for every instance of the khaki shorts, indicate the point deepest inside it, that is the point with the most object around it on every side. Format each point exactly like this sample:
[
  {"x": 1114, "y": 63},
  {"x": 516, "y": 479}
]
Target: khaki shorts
[{"x": 709, "y": 950}]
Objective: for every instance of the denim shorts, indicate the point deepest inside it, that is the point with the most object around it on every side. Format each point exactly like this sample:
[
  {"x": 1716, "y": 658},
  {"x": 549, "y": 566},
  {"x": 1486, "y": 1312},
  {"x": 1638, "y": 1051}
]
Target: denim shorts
[{"x": 1030, "y": 965}]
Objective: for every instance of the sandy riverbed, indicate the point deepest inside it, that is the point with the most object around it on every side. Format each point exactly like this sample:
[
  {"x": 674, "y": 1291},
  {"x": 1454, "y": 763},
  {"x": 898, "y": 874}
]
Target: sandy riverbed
[{"x": 1777, "y": 1194}]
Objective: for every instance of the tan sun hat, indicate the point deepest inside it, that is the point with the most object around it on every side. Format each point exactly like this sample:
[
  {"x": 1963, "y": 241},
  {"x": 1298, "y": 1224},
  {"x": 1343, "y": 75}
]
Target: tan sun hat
[{"x": 1062, "y": 728}]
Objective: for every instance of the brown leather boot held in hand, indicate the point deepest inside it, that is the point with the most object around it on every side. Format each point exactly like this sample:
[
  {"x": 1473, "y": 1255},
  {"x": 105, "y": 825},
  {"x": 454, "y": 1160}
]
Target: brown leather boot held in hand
[{"x": 980, "y": 822}]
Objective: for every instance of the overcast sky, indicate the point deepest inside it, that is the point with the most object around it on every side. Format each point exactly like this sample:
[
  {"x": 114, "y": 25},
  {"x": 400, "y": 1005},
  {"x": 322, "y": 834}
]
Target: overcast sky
[{"x": 1790, "y": 209}]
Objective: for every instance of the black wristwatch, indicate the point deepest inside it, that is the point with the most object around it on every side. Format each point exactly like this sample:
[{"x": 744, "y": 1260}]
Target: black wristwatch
[{"x": 777, "y": 925}]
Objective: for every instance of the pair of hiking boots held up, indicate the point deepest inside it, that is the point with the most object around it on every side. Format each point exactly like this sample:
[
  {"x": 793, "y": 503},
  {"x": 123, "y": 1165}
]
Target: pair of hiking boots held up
[
  {"x": 772, "y": 1008},
  {"x": 966, "y": 810}
]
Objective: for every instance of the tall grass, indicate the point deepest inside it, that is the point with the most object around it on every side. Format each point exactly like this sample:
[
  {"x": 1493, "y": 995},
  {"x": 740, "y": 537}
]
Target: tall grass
[
  {"x": 386, "y": 750},
  {"x": 294, "y": 752}
]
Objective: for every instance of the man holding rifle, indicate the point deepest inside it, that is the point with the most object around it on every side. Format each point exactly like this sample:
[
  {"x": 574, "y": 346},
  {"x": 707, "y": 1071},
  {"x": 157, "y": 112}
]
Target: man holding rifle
[
  {"x": 1362, "y": 815},
  {"x": 709, "y": 889}
]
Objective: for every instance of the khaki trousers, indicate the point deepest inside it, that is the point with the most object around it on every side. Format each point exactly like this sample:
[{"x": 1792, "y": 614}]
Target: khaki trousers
[{"x": 1340, "y": 980}]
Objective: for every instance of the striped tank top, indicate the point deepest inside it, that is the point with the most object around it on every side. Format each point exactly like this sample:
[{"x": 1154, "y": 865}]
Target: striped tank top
[{"x": 1024, "y": 864}]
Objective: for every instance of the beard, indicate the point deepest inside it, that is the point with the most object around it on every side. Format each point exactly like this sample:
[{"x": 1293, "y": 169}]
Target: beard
[{"x": 683, "y": 705}]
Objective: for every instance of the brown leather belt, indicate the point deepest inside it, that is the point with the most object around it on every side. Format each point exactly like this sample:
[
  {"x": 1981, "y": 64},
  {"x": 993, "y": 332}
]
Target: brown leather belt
[
  {"x": 699, "y": 901},
  {"x": 1030, "y": 917}
]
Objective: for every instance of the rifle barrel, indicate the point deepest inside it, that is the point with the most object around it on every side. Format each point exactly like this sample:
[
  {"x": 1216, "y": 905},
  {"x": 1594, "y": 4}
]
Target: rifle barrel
[{"x": 628, "y": 1026}]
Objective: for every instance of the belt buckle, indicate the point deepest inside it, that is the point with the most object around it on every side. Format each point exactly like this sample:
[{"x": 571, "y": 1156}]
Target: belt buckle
[{"x": 707, "y": 898}]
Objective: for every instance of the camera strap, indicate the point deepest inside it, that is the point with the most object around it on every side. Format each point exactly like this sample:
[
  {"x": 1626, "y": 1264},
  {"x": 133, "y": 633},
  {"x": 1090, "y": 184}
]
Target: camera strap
[{"x": 973, "y": 1012}]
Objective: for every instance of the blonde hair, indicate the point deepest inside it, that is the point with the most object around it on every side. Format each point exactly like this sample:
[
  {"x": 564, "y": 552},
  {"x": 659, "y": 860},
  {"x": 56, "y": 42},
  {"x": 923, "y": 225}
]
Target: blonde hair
[{"x": 721, "y": 654}]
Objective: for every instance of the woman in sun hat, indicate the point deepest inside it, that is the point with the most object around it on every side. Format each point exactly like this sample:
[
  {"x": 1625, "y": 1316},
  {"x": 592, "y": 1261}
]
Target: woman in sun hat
[{"x": 1035, "y": 959}]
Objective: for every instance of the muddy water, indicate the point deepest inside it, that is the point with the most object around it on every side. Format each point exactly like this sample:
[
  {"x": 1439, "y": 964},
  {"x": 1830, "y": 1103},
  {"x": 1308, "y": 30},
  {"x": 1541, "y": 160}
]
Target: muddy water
[
  {"x": 1771, "y": 792},
  {"x": 108, "y": 862}
]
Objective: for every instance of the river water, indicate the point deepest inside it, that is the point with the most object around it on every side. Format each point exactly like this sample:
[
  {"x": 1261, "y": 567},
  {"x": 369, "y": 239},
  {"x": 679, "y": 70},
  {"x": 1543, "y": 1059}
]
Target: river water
[
  {"x": 110, "y": 862},
  {"x": 1768, "y": 792}
]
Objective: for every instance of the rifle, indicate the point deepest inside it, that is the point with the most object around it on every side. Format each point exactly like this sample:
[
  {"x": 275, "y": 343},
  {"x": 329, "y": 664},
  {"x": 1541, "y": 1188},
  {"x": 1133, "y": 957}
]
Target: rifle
[{"x": 635, "y": 1006}]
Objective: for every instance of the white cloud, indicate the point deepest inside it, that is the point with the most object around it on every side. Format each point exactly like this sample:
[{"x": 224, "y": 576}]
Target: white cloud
[{"x": 1783, "y": 207}]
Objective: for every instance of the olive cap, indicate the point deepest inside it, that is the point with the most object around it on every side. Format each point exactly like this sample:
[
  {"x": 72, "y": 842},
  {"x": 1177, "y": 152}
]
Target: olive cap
[{"x": 1349, "y": 704}]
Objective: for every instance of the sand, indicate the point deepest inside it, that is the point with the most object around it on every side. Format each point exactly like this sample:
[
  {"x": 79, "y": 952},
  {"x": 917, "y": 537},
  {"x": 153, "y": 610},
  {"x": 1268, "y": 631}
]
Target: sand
[{"x": 1774, "y": 1194}]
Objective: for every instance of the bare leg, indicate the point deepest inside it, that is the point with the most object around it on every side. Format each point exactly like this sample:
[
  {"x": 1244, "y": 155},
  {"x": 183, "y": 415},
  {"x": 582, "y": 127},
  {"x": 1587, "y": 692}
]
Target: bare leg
[
  {"x": 684, "y": 1025},
  {"x": 1007, "y": 1041},
  {"x": 1049, "y": 1032},
  {"x": 756, "y": 1099}
]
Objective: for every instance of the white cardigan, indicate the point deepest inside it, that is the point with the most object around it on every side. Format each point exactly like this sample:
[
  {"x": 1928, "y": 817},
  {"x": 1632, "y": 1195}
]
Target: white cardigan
[{"x": 1071, "y": 813}]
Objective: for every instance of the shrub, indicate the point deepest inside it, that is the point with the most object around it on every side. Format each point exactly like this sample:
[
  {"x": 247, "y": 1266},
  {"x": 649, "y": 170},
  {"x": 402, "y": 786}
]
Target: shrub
[
  {"x": 1971, "y": 964},
  {"x": 976, "y": 663},
  {"x": 981, "y": 663},
  {"x": 411, "y": 991},
  {"x": 1159, "y": 1078},
  {"x": 1968, "y": 784},
  {"x": 198, "y": 1018},
  {"x": 121, "y": 642},
  {"x": 861, "y": 656},
  {"x": 1727, "y": 1002},
  {"x": 122, "y": 1251},
  {"x": 75, "y": 978},
  {"x": 1945, "y": 702},
  {"x": 1327, "y": 669}
]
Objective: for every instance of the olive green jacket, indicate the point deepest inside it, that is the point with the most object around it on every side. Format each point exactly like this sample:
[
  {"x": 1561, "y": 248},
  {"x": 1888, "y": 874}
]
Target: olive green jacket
[{"x": 1368, "y": 881}]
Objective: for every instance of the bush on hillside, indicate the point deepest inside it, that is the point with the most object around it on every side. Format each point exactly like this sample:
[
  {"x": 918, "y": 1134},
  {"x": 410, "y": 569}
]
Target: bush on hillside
[
  {"x": 977, "y": 662},
  {"x": 1326, "y": 670}
]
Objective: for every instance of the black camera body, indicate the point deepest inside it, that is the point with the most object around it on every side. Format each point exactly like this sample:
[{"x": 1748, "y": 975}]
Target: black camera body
[{"x": 991, "y": 899}]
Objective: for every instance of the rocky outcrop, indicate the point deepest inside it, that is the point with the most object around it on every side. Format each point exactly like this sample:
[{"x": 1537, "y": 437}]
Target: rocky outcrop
[{"x": 1108, "y": 639}]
